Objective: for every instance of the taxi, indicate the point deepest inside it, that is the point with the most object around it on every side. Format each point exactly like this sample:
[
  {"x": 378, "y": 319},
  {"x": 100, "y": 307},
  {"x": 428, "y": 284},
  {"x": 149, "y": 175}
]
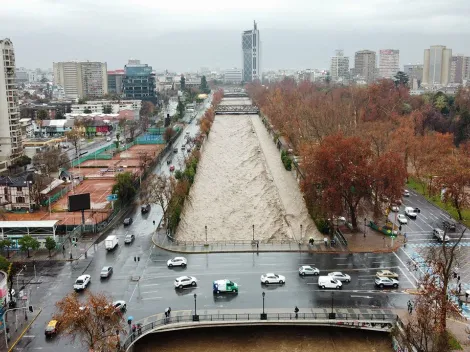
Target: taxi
[{"x": 52, "y": 328}]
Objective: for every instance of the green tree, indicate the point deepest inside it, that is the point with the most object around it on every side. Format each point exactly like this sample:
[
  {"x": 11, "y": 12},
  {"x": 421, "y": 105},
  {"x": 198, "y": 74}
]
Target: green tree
[
  {"x": 204, "y": 86},
  {"x": 107, "y": 109},
  {"x": 180, "y": 109},
  {"x": 87, "y": 111},
  {"x": 4, "y": 264},
  {"x": 401, "y": 78},
  {"x": 183, "y": 83},
  {"x": 124, "y": 187},
  {"x": 440, "y": 103},
  {"x": 116, "y": 142},
  {"x": 59, "y": 115},
  {"x": 42, "y": 114},
  {"x": 50, "y": 244},
  {"x": 6, "y": 244},
  {"x": 28, "y": 243}
]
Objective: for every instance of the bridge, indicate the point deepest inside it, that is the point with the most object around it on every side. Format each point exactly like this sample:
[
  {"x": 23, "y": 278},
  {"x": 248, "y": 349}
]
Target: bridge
[
  {"x": 235, "y": 95},
  {"x": 366, "y": 319},
  {"x": 237, "y": 110}
]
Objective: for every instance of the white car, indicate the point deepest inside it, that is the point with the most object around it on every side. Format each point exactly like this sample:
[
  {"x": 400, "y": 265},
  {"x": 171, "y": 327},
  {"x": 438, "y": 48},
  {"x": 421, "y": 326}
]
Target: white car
[
  {"x": 395, "y": 208},
  {"x": 271, "y": 278},
  {"x": 308, "y": 270},
  {"x": 387, "y": 273},
  {"x": 386, "y": 282},
  {"x": 177, "y": 261},
  {"x": 440, "y": 235},
  {"x": 82, "y": 282},
  {"x": 402, "y": 219},
  {"x": 340, "y": 276},
  {"x": 410, "y": 212},
  {"x": 120, "y": 305},
  {"x": 183, "y": 281},
  {"x": 406, "y": 193}
]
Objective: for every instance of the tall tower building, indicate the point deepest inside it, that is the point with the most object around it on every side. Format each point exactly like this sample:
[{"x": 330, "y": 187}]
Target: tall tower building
[
  {"x": 436, "y": 65},
  {"x": 365, "y": 65},
  {"x": 389, "y": 63},
  {"x": 139, "y": 82},
  {"x": 251, "y": 55},
  {"x": 339, "y": 69},
  {"x": 459, "y": 68},
  {"x": 81, "y": 79},
  {"x": 10, "y": 129}
]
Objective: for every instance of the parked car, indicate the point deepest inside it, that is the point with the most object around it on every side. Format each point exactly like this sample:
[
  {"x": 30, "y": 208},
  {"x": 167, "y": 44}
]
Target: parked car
[
  {"x": 129, "y": 238},
  {"x": 175, "y": 150},
  {"x": 308, "y": 270},
  {"x": 402, "y": 219},
  {"x": 177, "y": 261},
  {"x": 52, "y": 328},
  {"x": 449, "y": 225},
  {"x": 340, "y": 276},
  {"x": 145, "y": 208},
  {"x": 386, "y": 282},
  {"x": 127, "y": 221},
  {"x": 183, "y": 281},
  {"x": 406, "y": 193},
  {"x": 106, "y": 271},
  {"x": 271, "y": 278},
  {"x": 410, "y": 212},
  {"x": 387, "y": 273},
  {"x": 82, "y": 282},
  {"x": 440, "y": 235}
]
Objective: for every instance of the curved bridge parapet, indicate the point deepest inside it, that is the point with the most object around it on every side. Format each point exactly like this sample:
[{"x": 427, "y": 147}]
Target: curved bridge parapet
[
  {"x": 377, "y": 321},
  {"x": 237, "y": 110}
]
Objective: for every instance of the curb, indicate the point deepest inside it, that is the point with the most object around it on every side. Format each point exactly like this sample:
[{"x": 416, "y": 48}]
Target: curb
[
  {"x": 24, "y": 331},
  {"x": 390, "y": 250}
]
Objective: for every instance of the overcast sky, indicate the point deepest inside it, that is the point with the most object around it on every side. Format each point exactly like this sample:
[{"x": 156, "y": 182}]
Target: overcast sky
[{"x": 189, "y": 34}]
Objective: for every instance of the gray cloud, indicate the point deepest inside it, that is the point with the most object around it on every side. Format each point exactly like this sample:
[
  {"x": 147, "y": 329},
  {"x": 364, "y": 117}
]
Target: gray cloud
[{"x": 189, "y": 34}]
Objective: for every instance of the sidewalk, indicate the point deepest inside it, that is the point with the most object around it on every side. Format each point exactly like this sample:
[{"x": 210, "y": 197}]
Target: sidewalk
[
  {"x": 16, "y": 331},
  {"x": 356, "y": 243}
]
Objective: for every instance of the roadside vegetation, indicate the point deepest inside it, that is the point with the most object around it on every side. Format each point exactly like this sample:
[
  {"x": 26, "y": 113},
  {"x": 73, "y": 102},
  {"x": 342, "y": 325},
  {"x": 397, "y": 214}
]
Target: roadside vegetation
[{"x": 357, "y": 146}]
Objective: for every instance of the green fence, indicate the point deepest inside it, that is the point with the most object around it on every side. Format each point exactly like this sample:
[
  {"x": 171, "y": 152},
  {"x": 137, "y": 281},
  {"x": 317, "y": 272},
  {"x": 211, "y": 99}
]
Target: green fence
[
  {"x": 96, "y": 155},
  {"x": 55, "y": 196}
]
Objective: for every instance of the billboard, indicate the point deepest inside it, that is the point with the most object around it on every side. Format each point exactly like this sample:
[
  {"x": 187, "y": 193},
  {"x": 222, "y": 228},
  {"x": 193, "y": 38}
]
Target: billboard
[{"x": 79, "y": 202}]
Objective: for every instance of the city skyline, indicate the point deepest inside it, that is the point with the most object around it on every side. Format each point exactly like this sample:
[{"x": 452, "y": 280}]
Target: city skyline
[{"x": 290, "y": 38}]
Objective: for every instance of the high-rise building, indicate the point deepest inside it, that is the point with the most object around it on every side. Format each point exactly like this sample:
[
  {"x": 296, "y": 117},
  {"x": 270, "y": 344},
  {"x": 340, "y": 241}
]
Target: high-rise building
[
  {"x": 115, "y": 81},
  {"x": 233, "y": 75},
  {"x": 436, "y": 65},
  {"x": 365, "y": 65},
  {"x": 415, "y": 74},
  {"x": 10, "y": 128},
  {"x": 459, "y": 68},
  {"x": 389, "y": 63},
  {"x": 251, "y": 55},
  {"x": 339, "y": 69},
  {"x": 81, "y": 79},
  {"x": 139, "y": 82}
]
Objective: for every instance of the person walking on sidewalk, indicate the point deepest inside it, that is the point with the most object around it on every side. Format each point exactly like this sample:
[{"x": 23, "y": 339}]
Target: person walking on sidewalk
[{"x": 296, "y": 311}]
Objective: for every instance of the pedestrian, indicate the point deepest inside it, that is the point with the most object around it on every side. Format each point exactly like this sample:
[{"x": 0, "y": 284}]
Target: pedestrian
[
  {"x": 296, "y": 311},
  {"x": 411, "y": 309},
  {"x": 460, "y": 288},
  {"x": 63, "y": 248},
  {"x": 458, "y": 278},
  {"x": 409, "y": 306},
  {"x": 257, "y": 246},
  {"x": 134, "y": 328}
]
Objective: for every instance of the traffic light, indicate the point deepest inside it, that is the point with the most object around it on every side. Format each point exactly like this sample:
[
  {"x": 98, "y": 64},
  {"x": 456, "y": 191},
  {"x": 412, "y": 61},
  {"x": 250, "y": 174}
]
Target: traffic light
[{"x": 31, "y": 309}]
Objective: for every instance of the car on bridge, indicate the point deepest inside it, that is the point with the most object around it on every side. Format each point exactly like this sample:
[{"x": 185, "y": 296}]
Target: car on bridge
[
  {"x": 386, "y": 282},
  {"x": 340, "y": 276},
  {"x": 386, "y": 273},
  {"x": 271, "y": 278},
  {"x": 184, "y": 281},
  {"x": 177, "y": 261},
  {"x": 308, "y": 270}
]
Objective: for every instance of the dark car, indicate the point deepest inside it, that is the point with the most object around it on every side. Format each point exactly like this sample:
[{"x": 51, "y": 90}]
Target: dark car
[
  {"x": 449, "y": 225},
  {"x": 127, "y": 221},
  {"x": 417, "y": 210},
  {"x": 145, "y": 208}
]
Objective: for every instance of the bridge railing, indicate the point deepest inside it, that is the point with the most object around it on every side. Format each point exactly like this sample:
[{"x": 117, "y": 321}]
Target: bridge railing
[{"x": 256, "y": 317}]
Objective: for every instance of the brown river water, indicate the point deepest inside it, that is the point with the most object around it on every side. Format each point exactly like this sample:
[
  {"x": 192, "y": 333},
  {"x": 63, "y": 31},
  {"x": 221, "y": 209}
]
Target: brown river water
[{"x": 275, "y": 338}]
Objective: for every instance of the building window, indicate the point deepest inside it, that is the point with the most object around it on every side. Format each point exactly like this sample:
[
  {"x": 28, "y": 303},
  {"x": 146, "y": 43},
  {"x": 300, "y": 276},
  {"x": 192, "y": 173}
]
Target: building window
[
  {"x": 19, "y": 199},
  {"x": 19, "y": 189}
]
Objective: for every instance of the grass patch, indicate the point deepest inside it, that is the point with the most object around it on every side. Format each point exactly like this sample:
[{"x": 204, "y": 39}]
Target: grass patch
[
  {"x": 453, "y": 343},
  {"x": 436, "y": 200}
]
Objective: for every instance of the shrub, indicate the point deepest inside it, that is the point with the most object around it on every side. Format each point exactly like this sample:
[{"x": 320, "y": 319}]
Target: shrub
[{"x": 286, "y": 160}]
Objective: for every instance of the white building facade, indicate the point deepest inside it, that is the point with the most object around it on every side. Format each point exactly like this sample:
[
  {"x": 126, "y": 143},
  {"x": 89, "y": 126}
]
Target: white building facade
[
  {"x": 389, "y": 63},
  {"x": 233, "y": 75},
  {"x": 339, "y": 69},
  {"x": 97, "y": 106},
  {"x": 10, "y": 130},
  {"x": 251, "y": 51}
]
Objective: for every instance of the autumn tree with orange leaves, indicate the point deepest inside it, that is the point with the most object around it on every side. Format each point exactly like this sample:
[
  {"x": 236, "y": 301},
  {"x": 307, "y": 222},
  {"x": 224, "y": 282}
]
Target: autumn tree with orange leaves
[{"x": 94, "y": 322}]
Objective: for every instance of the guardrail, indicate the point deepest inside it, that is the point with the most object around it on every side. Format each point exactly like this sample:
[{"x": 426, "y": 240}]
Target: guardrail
[
  {"x": 229, "y": 242},
  {"x": 335, "y": 319}
]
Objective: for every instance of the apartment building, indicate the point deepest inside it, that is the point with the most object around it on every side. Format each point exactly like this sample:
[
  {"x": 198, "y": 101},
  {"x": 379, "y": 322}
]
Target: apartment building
[
  {"x": 365, "y": 65},
  {"x": 339, "y": 68},
  {"x": 139, "y": 83},
  {"x": 81, "y": 79},
  {"x": 98, "y": 106},
  {"x": 436, "y": 66},
  {"x": 115, "y": 81},
  {"x": 389, "y": 63},
  {"x": 10, "y": 129}
]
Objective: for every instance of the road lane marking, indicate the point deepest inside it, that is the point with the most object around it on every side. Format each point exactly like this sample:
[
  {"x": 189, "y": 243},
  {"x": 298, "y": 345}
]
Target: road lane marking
[
  {"x": 339, "y": 258},
  {"x": 148, "y": 292},
  {"x": 146, "y": 299},
  {"x": 401, "y": 261},
  {"x": 150, "y": 285},
  {"x": 362, "y": 296}
]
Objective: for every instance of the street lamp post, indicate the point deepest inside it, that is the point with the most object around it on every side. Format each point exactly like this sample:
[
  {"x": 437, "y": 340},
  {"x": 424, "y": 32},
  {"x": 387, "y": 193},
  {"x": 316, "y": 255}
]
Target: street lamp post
[
  {"x": 253, "y": 233},
  {"x": 264, "y": 316},
  {"x": 365, "y": 221},
  {"x": 301, "y": 232},
  {"x": 195, "y": 316},
  {"x": 206, "y": 232},
  {"x": 332, "y": 315}
]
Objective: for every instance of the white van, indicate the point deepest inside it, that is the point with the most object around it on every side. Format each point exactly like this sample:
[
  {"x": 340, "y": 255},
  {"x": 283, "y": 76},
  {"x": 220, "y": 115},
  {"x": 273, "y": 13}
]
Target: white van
[
  {"x": 410, "y": 212},
  {"x": 329, "y": 282}
]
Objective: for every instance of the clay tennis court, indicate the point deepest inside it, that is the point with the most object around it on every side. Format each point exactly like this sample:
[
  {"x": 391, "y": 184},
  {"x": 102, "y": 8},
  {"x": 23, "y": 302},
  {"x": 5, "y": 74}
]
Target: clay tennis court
[
  {"x": 91, "y": 217},
  {"x": 101, "y": 173},
  {"x": 135, "y": 151},
  {"x": 98, "y": 190}
]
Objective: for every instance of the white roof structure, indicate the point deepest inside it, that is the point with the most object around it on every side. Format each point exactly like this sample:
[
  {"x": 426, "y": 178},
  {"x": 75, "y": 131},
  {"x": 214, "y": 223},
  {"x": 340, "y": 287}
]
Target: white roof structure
[
  {"x": 37, "y": 223},
  {"x": 17, "y": 229}
]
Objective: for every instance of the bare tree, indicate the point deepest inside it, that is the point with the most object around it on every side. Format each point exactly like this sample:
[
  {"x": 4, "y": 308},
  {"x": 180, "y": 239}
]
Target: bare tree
[
  {"x": 158, "y": 189},
  {"x": 132, "y": 127},
  {"x": 51, "y": 161},
  {"x": 39, "y": 183},
  {"x": 73, "y": 137}
]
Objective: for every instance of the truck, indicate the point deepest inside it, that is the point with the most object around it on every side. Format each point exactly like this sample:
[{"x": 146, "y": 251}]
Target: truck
[
  {"x": 224, "y": 286},
  {"x": 111, "y": 242}
]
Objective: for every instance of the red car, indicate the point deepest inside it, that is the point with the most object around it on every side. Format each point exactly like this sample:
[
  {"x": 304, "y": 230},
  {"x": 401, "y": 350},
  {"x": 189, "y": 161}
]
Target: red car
[{"x": 172, "y": 168}]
